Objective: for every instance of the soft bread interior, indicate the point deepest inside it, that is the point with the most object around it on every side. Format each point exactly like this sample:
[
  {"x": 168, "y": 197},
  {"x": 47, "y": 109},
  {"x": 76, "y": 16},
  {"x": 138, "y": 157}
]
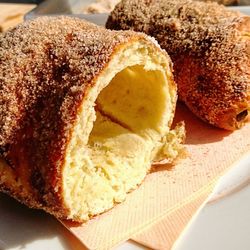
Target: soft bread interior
[{"x": 119, "y": 130}]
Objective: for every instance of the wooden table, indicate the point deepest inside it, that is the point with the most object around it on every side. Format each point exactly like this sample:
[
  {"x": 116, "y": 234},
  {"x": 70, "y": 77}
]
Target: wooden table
[{"x": 12, "y": 14}]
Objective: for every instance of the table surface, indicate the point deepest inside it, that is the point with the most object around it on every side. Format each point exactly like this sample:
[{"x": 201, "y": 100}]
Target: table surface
[{"x": 12, "y": 14}]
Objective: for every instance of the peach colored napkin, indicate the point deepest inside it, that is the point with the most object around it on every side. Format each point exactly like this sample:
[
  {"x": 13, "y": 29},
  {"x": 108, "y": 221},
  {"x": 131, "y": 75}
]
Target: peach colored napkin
[{"x": 169, "y": 197}]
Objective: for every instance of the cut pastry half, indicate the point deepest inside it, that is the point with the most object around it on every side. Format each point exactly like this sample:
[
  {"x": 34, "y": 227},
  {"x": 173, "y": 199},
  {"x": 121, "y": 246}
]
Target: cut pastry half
[{"x": 82, "y": 125}]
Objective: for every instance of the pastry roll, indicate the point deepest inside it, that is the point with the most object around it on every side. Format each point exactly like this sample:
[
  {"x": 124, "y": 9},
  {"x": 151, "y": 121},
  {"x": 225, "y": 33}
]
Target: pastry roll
[
  {"x": 210, "y": 49},
  {"x": 84, "y": 112}
]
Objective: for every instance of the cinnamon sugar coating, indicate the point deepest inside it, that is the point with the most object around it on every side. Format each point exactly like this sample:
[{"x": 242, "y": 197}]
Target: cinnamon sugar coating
[
  {"x": 210, "y": 48},
  {"x": 46, "y": 67},
  {"x": 225, "y": 2},
  {"x": 49, "y": 62}
]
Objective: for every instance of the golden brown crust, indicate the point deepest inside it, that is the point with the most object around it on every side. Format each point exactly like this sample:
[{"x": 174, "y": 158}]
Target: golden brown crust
[
  {"x": 46, "y": 67},
  {"x": 210, "y": 48},
  {"x": 225, "y": 2}
]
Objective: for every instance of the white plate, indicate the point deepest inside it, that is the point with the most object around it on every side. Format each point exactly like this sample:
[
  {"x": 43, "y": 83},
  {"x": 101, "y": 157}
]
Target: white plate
[{"x": 223, "y": 222}]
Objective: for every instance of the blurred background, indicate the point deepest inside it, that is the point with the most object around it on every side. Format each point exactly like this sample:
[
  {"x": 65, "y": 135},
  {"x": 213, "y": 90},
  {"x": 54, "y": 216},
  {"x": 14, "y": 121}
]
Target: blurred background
[{"x": 12, "y": 12}]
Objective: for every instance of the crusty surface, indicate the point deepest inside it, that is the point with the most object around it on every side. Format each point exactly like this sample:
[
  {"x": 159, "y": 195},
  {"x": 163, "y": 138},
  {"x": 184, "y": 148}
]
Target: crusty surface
[
  {"x": 46, "y": 67},
  {"x": 209, "y": 46},
  {"x": 225, "y": 2}
]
